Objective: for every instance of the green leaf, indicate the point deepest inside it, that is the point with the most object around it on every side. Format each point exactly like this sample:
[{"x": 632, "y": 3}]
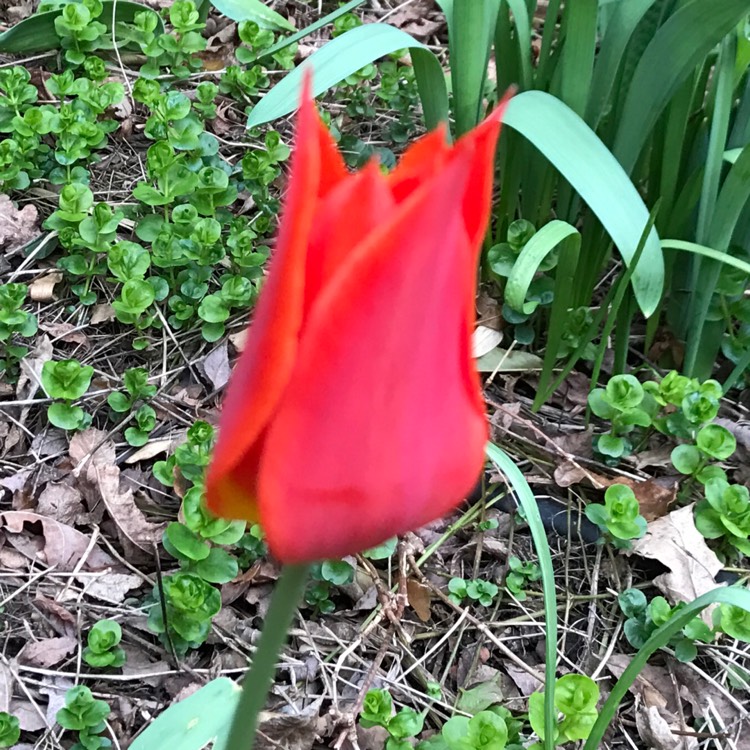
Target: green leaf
[
  {"x": 253, "y": 10},
  {"x": 716, "y": 441},
  {"x": 65, "y": 417},
  {"x": 67, "y": 379},
  {"x": 686, "y": 459},
  {"x": 10, "y": 730},
  {"x": 337, "y": 572},
  {"x": 376, "y": 708},
  {"x": 382, "y": 551},
  {"x": 193, "y": 723},
  {"x": 188, "y": 544},
  {"x": 37, "y": 33},
  {"x": 218, "y": 567},
  {"x": 345, "y": 55},
  {"x": 585, "y": 162},
  {"x": 677, "y": 48}
]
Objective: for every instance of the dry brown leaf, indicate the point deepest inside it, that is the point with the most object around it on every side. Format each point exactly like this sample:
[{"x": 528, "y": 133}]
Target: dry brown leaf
[
  {"x": 656, "y": 730},
  {"x": 47, "y": 652},
  {"x": 150, "y": 450},
  {"x": 216, "y": 366},
  {"x": 412, "y": 18},
  {"x": 653, "y": 498},
  {"x": 238, "y": 340},
  {"x": 17, "y": 227},
  {"x": 420, "y": 599},
  {"x": 60, "y": 546},
  {"x": 290, "y": 731},
  {"x": 63, "y": 621},
  {"x": 102, "y": 313},
  {"x": 653, "y": 685},
  {"x": 66, "y": 332},
  {"x": 61, "y": 502},
  {"x": 43, "y": 288},
  {"x": 29, "y": 718},
  {"x": 30, "y": 379},
  {"x": 6, "y": 687},
  {"x": 110, "y": 587},
  {"x": 676, "y": 543},
  {"x": 100, "y": 478}
]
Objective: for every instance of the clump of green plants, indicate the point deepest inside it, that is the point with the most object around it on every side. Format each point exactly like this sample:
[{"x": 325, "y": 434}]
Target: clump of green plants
[
  {"x": 734, "y": 621},
  {"x": 644, "y": 617},
  {"x": 10, "y": 729},
  {"x": 66, "y": 381},
  {"x": 724, "y": 514},
  {"x": 323, "y": 576},
  {"x": 520, "y": 575},
  {"x": 377, "y": 711},
  {"x": 190, "y": 604},
  {"x": 103, "y": 645},
  {"x": 619, "y": 518},
  {"x": 136, "y": 388},
  {"x": 576, "y": 697},
  {"x": 492, "y": 729},
  {"x": 14, "y": 323},
  {"x": 476, "y": 590},
  {"x": 86, "y": 715}
]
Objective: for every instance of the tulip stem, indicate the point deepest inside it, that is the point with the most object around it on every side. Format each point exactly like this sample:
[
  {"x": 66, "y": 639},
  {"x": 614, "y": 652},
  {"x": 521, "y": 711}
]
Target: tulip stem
[{"x": 258, "y": 681}]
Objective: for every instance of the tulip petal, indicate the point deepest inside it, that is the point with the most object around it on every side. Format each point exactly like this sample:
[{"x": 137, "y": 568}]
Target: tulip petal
[
  {"x": 380, "y": 430},
  {"x": 266, "y": 364}
]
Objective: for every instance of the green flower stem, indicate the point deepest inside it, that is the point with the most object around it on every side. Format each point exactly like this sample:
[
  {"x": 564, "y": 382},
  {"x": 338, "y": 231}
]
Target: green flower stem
[{"x": 259, "y": 679}]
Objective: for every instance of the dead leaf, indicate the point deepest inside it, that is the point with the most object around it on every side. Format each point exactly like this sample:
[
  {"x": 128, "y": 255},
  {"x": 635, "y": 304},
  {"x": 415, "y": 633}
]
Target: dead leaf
[
  {"x": 66, "y": 332},
  {"x": 412, "y": 18},
  {"x": 653, "y": 684},
  {"x": 60, "y": 618},
  {"x": 47, "y": 652},
  {"x": 238, "y": 340},
  {"x": 420, "y": 599},
  {"x": 656, "y": 730},
  {"x": 676, "y": 543},
  {"x": 660, "y": 457},
  {"x": 216, "y": 366},
  {"x": 110, "y": 587},
  {"x": 6, "y": 688},
  {"x": 152, "y": 449},
  {"x": 484, "y": 340},
  {"x": 297, "y": 731},
  {"x": 100, "y": 479},
  {"x": 102, "y": 314},
  {"x": 489, "y": 311},
  {"x": 61, "y": 502},
  {"x": 525, "y": 682},
  {"x": 42, "y": 289},
  {"x": 60, "y": 546},
  {"x": 17, "y": 227},
  {"x": 505, "y": 360},
  {"x": 30, "y": 379},
  {"x": 653, "y": 498}
]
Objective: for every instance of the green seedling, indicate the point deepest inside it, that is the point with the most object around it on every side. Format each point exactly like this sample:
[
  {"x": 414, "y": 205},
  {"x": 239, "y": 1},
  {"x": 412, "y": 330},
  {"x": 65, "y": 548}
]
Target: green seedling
[
  {"x": 576, "y": 697},
  {"x": 482, "y": 592},
  {"x": 619, "y": 518},
  {"x": 86, "y": 715},
  {"x": 725, "y": 515},
  {"x": 103, "y": 645},
  {"x": 10, "y": 730},
  {"x": 14, "y": 322},
  {"x": 520, "y": 574},
  {"x": 645, "y": 617},
  {"x": 734, "y": 621},
  {"x": 712, "y": 442},
  {"x": 377, "y": 710},
  {"x": 79, "y": 31},
  {"x": 323, "y": 576},
  {"x": 66, "y": 381}
]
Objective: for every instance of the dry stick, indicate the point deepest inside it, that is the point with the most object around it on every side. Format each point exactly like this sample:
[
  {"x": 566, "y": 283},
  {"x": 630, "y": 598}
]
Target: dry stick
[
  {"x": 592, "y": 606},
  {"x": 476, "y": 622}
]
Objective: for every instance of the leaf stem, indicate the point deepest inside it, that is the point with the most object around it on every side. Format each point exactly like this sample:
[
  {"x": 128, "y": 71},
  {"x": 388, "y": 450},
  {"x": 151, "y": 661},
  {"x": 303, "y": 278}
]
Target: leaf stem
[{"x": 257, "y": 683}]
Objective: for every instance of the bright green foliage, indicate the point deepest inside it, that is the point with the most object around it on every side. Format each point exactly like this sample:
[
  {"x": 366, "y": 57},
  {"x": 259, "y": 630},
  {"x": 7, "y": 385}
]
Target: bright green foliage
[
  {"x": 85, "y": 714},
  {"x": 67, "y": 381},
  {"x": 10, "y": 731},
  {"x": 576, "y": 697},
  {"x": 79, "y": 32},
  {"x": 520, "y": 574},
  {"x": 725, "y": 514},
  {"x": 191, "y": 603},
  {"x": 377, "y": 710},
  {"x": 103, "y": 649},
  {"x": 14, "y": 322},
  {"x": 323, "y": 576},
  {"x": 734, "y": 621},
  {"x": 620, "y": 515},
  {"x": 645, "y": 617},
  {"x": 137, "y": 388},
  {"x": 483, "y": 592},
  {"x": 626, "y": 405}
]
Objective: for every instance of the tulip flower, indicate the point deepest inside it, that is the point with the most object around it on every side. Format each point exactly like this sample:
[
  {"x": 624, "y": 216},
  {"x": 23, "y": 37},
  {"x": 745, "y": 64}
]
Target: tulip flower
[{"x": 354, "y": 412}]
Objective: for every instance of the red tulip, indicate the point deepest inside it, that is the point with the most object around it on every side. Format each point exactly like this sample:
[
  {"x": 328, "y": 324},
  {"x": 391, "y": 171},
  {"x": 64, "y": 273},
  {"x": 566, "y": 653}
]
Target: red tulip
[{"x": 355, "y": 413}]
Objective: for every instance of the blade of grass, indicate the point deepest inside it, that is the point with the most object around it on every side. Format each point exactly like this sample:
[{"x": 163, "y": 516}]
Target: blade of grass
[
  {"x": 522, "y": 53},
  {"x": 253, "y": 10},
  {"x": 579, "y": 28},
  {"x": 347, "y": 54},
  {"x": 740, "y": 369},
  {"x": 548, "y": 35},
  {"x": 313, "y": 27},
  {"x": 585, "y": 162},
  {"x": 706, "y": 252},
  {"x": 660, "y": 638},
  {"x": 620, "y": 28},
  {"x": 470, "y": 43},
  {"x": 527, "y": 501},
  {"x": 676, "y": 49}
]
